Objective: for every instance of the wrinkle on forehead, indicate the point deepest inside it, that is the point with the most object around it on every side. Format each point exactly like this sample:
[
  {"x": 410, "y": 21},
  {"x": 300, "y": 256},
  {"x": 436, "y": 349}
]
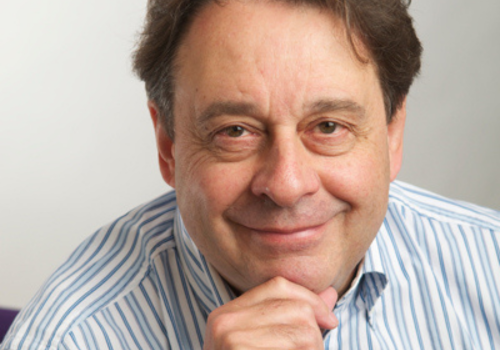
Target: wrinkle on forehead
[{"x": 280, "y": 61}]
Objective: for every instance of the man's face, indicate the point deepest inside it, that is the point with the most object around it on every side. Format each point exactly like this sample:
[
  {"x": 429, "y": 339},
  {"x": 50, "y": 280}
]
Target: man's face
[{"x": 282, "y": 157}]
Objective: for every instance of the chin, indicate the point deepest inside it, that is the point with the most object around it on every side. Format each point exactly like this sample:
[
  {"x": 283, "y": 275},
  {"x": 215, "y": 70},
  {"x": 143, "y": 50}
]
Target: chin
[{"x": 299, "y": 272}]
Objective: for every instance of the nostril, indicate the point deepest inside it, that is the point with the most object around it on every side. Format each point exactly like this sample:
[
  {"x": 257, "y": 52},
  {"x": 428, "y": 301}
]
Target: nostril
[{"x": 285, "y": 174}]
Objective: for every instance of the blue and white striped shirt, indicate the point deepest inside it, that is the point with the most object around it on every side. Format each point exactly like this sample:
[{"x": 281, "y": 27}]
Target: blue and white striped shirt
[{"x": 430, "y": 280}]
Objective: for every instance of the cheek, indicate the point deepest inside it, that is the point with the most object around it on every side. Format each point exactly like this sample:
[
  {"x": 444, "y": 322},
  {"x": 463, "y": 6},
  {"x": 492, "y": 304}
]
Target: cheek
[
  {"x": 358, "y": 177},
  {"x": 206, "y": 191},
  {"x": 209, "y": 186}
]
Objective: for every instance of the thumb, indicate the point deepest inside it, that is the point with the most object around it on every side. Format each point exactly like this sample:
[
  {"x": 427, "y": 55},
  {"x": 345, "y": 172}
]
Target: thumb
[{"x": 329, "y": 296}]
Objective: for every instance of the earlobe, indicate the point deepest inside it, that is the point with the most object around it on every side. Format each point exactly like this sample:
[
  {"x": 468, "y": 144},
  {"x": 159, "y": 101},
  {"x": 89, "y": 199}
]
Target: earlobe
[
  {"x": 395, "y": 139},
  {"x": 165, "y": 146}
]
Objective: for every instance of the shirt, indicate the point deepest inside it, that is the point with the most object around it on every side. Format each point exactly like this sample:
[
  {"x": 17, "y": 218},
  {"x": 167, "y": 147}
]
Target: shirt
[{"x": 430, "y": 280}]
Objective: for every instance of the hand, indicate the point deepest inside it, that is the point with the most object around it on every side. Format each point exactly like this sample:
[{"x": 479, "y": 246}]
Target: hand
[{"x": 278, "y": 314}]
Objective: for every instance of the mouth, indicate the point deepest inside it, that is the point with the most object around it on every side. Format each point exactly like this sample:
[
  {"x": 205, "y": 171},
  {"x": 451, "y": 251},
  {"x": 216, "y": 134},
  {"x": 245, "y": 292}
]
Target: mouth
[
  {"x": 285, "y": 231},
  {"x": 285, "y": 239}
]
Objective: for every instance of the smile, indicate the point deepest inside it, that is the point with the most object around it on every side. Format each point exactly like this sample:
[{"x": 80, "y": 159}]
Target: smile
[
  {"x": 286, "y": 231},
  {"x": 285, "y": 239}
]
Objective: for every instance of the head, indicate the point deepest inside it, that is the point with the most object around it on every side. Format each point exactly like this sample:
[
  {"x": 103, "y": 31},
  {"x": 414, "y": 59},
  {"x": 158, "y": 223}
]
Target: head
[
  {"x": 280, "y": 125},
  {"x": 384, "y": 28}
]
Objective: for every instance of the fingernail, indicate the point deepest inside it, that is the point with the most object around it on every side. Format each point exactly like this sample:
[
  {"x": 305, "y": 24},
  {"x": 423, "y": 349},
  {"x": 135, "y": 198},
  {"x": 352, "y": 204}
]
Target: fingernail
[{"x": 334, "y": 319}]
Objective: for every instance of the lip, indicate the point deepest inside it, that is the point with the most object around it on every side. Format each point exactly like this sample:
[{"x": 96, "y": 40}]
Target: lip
[
  {"x": 285, "y": 231},
  {"x": 286, "y": 239}
]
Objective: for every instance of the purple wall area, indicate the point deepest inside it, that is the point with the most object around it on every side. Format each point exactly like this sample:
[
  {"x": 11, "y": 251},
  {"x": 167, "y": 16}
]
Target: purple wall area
[{"x": 6, "y": 318}]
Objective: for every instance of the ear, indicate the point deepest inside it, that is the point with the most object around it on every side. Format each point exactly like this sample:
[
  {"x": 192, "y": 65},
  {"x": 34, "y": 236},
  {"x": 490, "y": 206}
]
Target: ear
[
  {"x": 395, "y": 138},
  {"x": 165, "y": 145}
]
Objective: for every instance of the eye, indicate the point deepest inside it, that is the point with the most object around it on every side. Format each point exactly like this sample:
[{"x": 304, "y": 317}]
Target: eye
[
  {"x": 235, "y": 142},
  {"x": 327, "y": 127},
  {"x": 234, "y": 131},
  {"x": 328, "y": 137}
]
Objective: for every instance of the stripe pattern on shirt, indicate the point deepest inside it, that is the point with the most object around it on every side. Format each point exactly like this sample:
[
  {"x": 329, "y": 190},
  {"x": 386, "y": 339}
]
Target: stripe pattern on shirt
[{"x": 430, "y": 280}]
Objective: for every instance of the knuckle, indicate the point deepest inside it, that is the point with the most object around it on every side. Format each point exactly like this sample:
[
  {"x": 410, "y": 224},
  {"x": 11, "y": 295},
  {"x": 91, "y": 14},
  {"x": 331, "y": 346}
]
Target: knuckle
[
  {"x": 310, "y": 338},
  {"x": 304, "y": 309},
  {"x": 282, "y": 287},
  {"x": 280, "y": 283},
  {"x": 223, "y": 331},
  {"x": 220, "y": 323},
  {"x": 311, "y": 334}
]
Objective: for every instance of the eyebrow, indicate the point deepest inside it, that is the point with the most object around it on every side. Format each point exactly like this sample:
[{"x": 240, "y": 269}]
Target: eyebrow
[
  {"x": 327, "y": 105},
  {"x": 218, "y": 108}
]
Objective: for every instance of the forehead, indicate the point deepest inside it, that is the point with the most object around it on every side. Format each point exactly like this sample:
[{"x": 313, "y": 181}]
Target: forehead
[{"x": 265, "y": 51}]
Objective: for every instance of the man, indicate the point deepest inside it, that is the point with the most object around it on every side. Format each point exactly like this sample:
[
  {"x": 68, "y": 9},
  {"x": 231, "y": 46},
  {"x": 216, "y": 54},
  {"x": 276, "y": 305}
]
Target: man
[{"x": 280, "y": 126}]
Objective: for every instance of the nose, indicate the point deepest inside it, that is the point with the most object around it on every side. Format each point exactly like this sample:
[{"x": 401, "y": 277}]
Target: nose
[{"x": 286, "y": 174}]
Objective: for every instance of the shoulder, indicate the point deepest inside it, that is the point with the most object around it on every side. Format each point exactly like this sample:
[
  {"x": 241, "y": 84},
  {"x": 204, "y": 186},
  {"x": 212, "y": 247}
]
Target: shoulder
[
  {"x": 441, "y": 258},
  {"x": 404, "y": 197},
  {"x": 452, "y": 238},
  {"x": 103, "y": 269}
]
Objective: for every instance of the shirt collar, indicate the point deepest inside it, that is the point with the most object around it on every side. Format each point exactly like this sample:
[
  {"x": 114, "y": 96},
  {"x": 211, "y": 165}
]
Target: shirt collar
[
  {"x": 370, "y": 280},
  {"x": 375, "y": 277},
  {"x": 210, "y": 289}
]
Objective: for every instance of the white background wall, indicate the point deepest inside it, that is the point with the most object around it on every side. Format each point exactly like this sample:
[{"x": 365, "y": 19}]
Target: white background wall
[
  {"x": 77, "y": 147},
  {"x": 453, "y": 125}
]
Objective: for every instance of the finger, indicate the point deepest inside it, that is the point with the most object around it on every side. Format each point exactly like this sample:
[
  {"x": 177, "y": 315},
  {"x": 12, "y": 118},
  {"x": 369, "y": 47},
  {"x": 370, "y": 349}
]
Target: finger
[
  {"x": 280, "y": 288},
  {"x": 276, "y": 336},
  {"x": 268, "y": 312},
  {"x": 329, "y": 296}
]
